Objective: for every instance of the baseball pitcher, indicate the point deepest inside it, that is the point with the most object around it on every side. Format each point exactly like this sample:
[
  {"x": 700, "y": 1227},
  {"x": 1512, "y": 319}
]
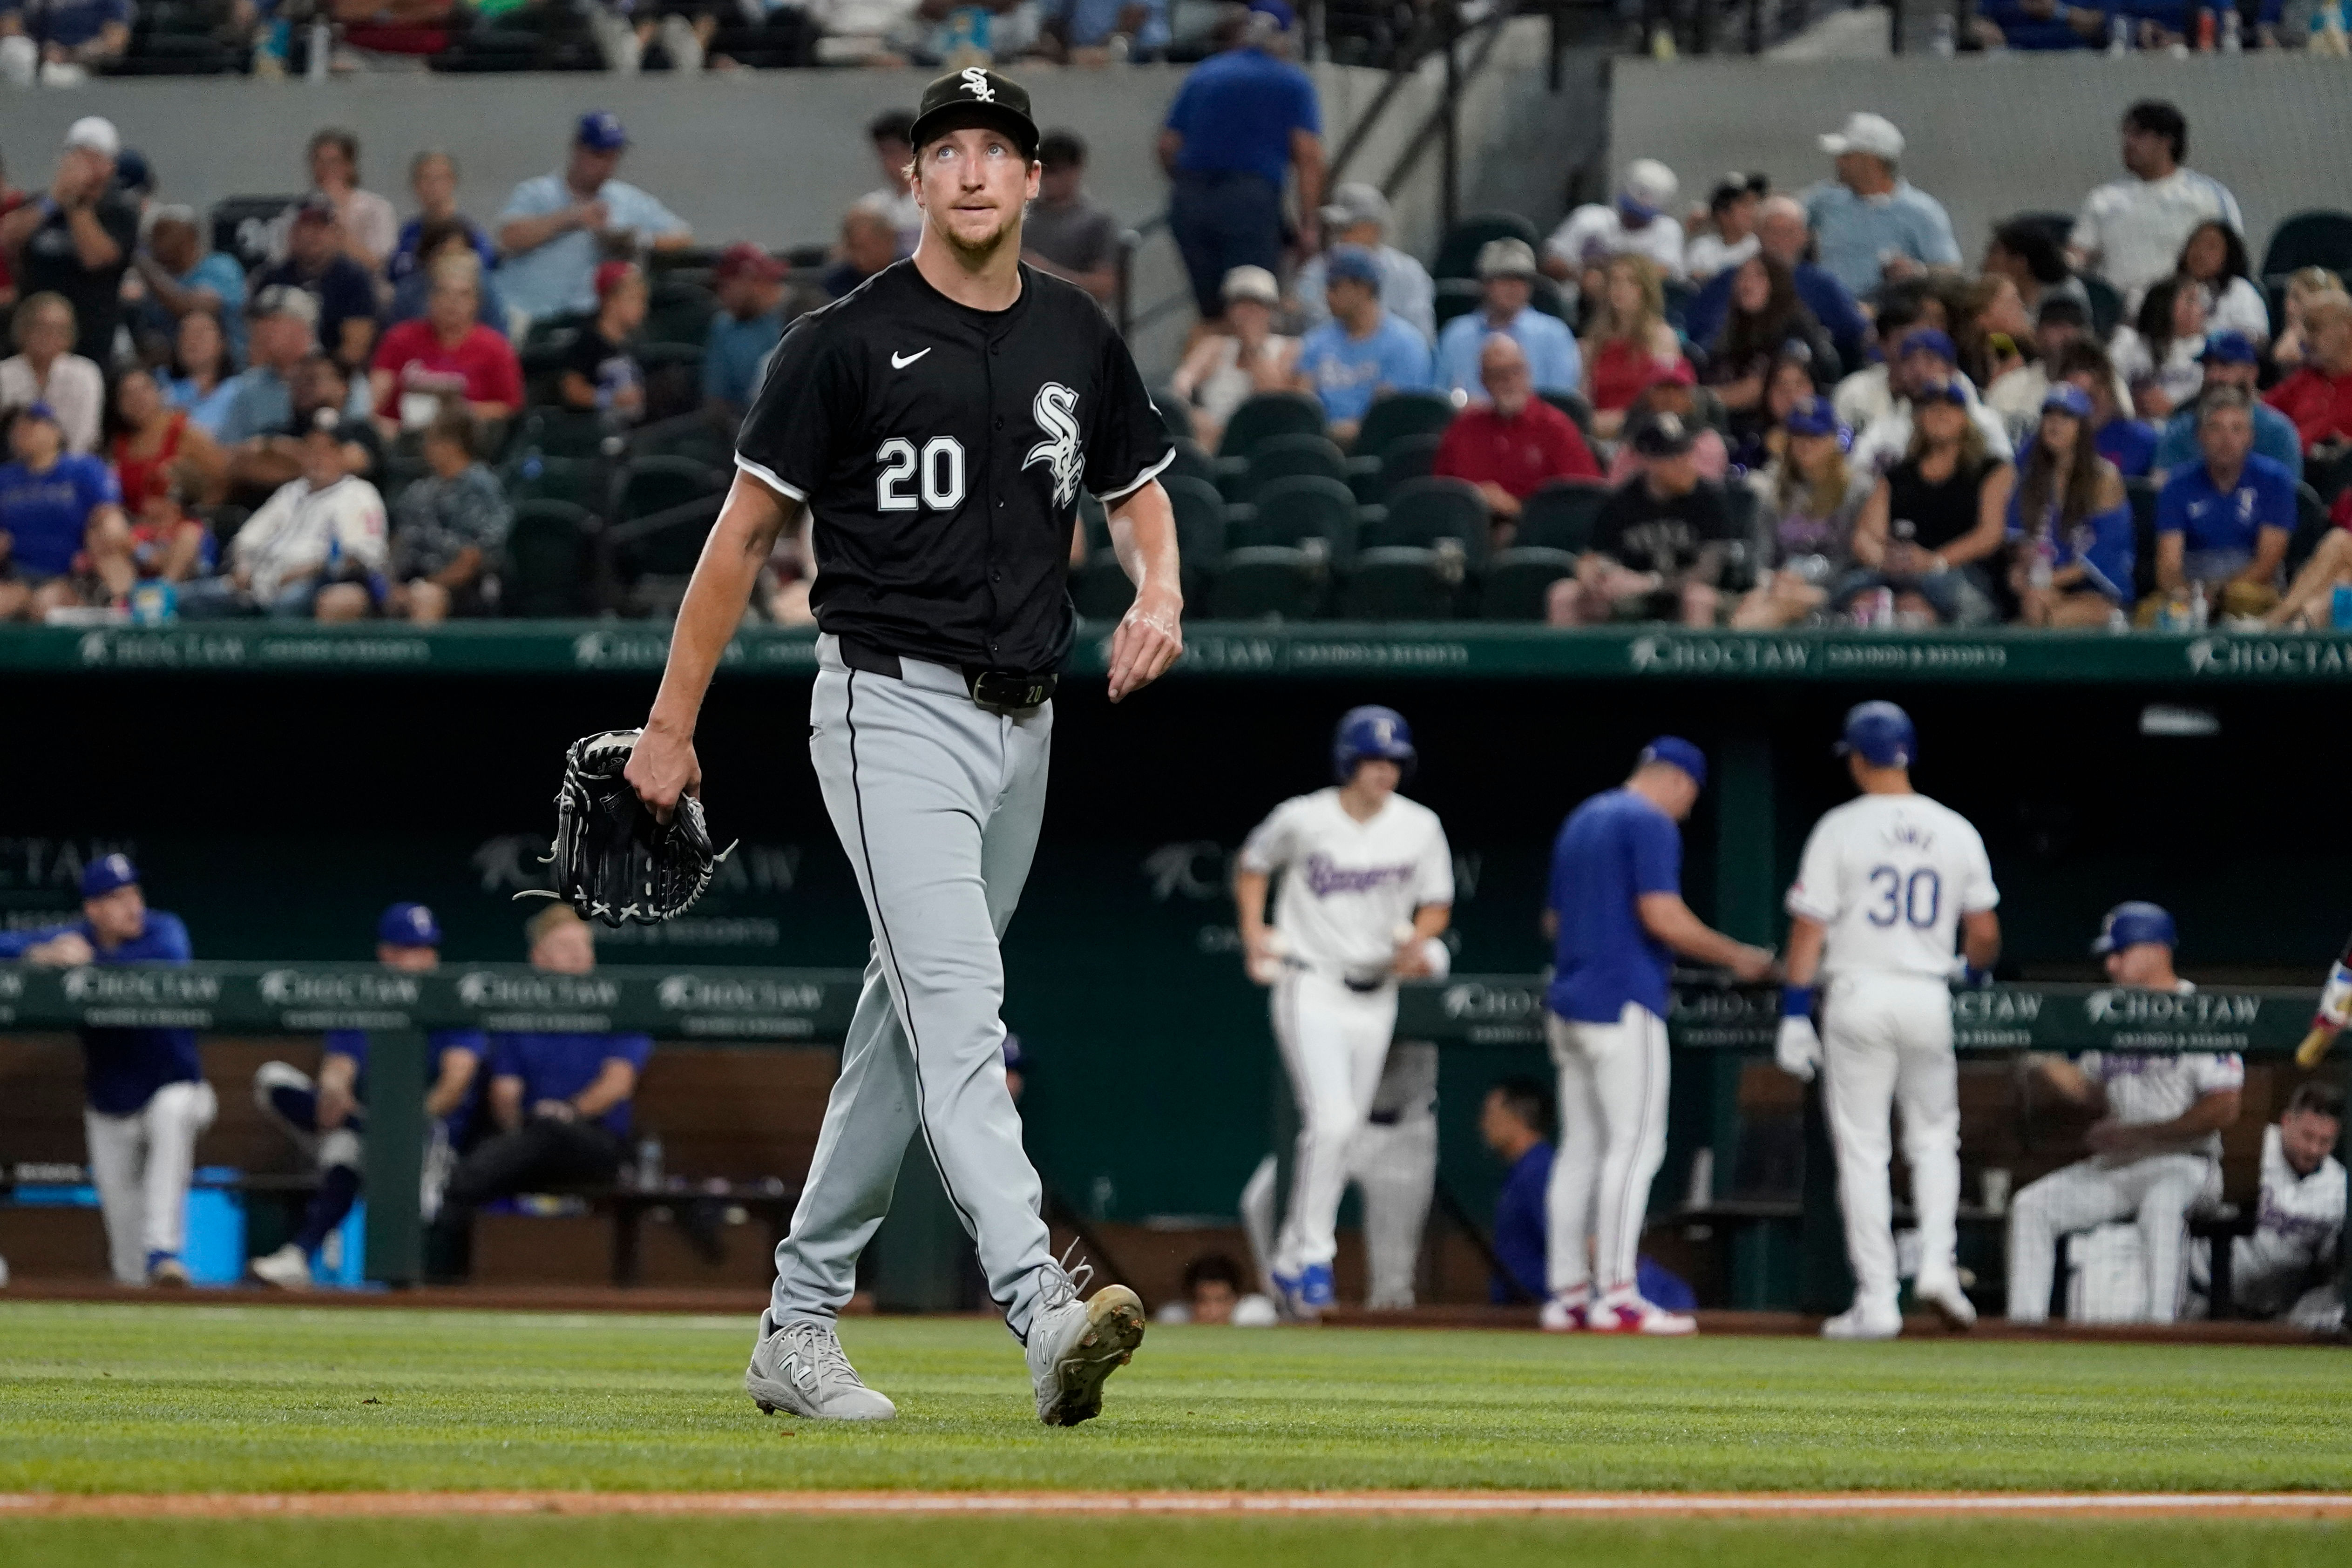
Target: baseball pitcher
[
  {"x": 1367, "y": 888},
  {"x": 1888, "y": 881}
]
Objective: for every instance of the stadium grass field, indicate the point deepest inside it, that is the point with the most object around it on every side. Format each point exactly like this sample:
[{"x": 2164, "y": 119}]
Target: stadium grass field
[{"x": 142, "y": 1400}]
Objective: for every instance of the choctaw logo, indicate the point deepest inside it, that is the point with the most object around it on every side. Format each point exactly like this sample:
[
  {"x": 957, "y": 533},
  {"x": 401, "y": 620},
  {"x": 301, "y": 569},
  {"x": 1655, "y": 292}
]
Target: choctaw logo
[
  {"x": 697, "y": 993},
  {"x": 293, "y": 988},
  {"x": 2198, "y": 1007},
  {"x": 1491, "y": 1004},
  {"x": 487, "y": 988},
  {"x": 153, "y": 985}
]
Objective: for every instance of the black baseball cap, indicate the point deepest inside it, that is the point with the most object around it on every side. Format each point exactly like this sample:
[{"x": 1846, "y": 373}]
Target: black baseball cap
[{"x": 975, "y": 96}]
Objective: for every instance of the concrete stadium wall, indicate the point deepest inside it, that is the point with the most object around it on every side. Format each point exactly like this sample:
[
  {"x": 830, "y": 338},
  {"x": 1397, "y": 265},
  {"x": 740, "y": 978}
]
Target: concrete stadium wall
[{"x": 1990, "y": 137}]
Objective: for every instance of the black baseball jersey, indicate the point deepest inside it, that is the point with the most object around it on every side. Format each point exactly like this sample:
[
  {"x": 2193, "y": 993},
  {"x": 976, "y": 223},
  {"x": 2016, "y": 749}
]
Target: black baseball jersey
[{"x": 940, "y": 449}]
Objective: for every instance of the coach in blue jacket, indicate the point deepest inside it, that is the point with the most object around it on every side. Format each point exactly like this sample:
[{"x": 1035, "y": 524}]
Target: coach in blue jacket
[
  {"x": 560, "y": 1101},
  {"x": 146, "y": 1098}
]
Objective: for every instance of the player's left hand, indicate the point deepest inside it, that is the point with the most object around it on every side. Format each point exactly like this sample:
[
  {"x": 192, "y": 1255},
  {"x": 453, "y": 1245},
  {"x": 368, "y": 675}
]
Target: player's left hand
[{"x": 1149, "y": 638}]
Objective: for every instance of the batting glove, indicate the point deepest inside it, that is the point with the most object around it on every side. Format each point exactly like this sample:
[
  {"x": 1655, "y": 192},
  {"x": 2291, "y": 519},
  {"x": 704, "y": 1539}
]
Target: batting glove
[{"x": 1799, "y": 1049}]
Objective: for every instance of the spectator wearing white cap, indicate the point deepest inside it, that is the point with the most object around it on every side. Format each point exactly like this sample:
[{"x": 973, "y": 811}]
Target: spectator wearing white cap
[
  {"x": 1506, "y": 273},
  {"x": 77, "y": 241},
  {"x": 1872, "y": 226},
  {"x": 1637, "y": 222},
  {"x": 1225, "y": 369},
  {"x": 2131, "y": 231},
  {"x": 1359, "y": 215},
  {"x": 75, "y": 34}
]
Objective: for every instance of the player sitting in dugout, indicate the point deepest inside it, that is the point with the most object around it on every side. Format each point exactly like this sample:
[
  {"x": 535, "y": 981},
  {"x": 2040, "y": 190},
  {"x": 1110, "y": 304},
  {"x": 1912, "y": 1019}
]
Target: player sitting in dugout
[
  {"x": 561, "y": 1102},
  {"x": 2291, "y": 1266}
]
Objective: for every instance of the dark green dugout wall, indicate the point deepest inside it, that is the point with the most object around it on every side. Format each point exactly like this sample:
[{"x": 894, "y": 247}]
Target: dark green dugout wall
[{"x": 278, "y": 813}]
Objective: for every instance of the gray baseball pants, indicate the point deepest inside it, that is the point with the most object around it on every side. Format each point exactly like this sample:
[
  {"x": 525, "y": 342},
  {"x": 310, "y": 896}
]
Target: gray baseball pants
[{"x": 938, "y": 802}]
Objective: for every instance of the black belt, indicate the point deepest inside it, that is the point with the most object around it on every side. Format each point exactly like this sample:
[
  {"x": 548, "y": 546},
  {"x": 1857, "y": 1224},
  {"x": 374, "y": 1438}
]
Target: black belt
[{"x": 989, "y": 688}]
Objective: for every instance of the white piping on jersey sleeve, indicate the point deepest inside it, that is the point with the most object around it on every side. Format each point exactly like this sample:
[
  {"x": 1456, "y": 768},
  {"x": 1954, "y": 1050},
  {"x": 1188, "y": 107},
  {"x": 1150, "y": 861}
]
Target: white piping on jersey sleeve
[
  {"x": 1146, "y": 477},
  {"x": 769, "y": 477},
  {"x": 1272, "y": 844}
]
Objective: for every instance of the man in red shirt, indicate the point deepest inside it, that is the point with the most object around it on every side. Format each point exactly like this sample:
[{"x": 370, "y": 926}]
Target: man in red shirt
[
  {"x": 2318, "y": 397},
  {"x": 1513, "y": 445},
  {"x": 445, "y": 354}
]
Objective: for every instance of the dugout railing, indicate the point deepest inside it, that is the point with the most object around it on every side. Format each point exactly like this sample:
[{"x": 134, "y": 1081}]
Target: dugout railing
[{"x": 1715, "y": 1032}]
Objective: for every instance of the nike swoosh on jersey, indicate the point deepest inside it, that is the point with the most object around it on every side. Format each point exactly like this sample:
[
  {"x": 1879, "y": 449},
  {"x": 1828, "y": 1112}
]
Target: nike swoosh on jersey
[{"x": 899, "y": 363}]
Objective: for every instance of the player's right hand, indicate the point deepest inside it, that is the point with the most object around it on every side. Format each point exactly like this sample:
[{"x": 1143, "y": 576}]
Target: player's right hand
[
  {"x": 663, "y": 766},
  {"x": 1751, "y": 966},
  {"x": 65, "y": 950},
  {"x": 1798, "y": 1050}
]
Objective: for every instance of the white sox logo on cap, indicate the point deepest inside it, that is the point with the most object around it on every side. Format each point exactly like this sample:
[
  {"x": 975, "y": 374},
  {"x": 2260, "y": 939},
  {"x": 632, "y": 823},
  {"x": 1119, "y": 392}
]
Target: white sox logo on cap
[{"x": 975, "y": 82}]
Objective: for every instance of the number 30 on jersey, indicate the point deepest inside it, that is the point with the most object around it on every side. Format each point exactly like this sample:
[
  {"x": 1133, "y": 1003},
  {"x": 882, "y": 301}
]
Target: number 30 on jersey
[{"x": 938, "y": 469}]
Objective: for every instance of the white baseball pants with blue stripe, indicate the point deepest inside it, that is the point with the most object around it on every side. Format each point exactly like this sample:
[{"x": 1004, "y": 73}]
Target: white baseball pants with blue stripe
[
  {"x": 1334, "y": 1042},
  {"x": 1612, "y": 1138},
  {"x": 1887, "y": 1044},
  {"x": 938, "y": 803}
]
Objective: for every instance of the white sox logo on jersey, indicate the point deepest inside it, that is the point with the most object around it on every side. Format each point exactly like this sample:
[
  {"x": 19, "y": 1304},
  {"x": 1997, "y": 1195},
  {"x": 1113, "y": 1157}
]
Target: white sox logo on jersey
[
  {"x": 975, "y": 82},
  {"x": 1056, "y": 412}
]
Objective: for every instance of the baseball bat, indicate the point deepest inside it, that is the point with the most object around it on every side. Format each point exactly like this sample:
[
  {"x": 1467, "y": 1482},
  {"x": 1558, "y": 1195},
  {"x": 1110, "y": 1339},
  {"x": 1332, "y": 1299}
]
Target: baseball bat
[{"x": 2335, "y": 1012}]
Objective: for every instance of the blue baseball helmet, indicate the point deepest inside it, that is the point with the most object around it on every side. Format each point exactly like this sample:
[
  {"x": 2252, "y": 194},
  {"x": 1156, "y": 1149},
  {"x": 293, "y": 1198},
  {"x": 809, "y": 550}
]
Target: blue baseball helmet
[
  {"x": 2129, "y": 925},
  {"x": 1370, "y": 731},
  {"x": 408, "y": 925},
  {"x": 1881, "y": 734}
]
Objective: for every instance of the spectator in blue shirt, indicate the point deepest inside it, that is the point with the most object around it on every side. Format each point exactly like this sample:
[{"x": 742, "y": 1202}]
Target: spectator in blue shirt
[
  {"x": 284, "y": 325},
  {"x": 1782, "y": 234},
  {"x": 1242, "y": 117},
  {"x": 1872, "y": 226},
  {"x": 2230, "y": 359},
  {"x": 1506, "y": 273},
  {"x": 181, "y": 276},
  {"x": 2038, "y": 24},
  {"x": 2069, "y": 523},
  {"x": 60, "y": 39},
  {"x": 54, "y": 506},
  {"x": 327, "y": 1117},
  {"x": 2128, "y": 442},
  {"x": 556, "y": 228},
  {"x": 316, "y": 265},
  {"x": 2225, "y": 522},
  {"x": 1362, "y": 351},
  {"x": 559, "y": 1102},
  {"x": 146, "y": 1098},
  {"x": 749, "y": 324},
  {"x": 1514, "y": 1120},
  {"x": 433, "y": 177},
  {"x": 1081, "y": 32},
  {"x": 410, "y": 296}
]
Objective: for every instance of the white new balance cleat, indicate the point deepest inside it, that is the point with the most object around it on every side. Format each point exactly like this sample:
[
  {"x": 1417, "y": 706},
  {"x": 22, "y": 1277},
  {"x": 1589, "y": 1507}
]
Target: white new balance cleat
[
  {"x": 1945, "y": 1298},
  {"x": 289, "y": 1268},
  {"x": 801, "y": 1368},
  {"x": 1859, "y": 1322},
  {"x": 1632, "y": 1314},
  {"x": 1074, "y": 1345},
  {"x": 1564, "y": 1313}
]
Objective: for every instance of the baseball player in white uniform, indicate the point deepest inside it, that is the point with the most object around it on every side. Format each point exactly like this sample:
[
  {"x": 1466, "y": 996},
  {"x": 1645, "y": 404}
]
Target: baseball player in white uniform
[
  {"x": 2155, "y": 1150},
  {"x": 1393, "y": 1163},
  {"x": 1367, "y": 888},
  {"x": 1887, "y": 883},
  {"x": 2287, "y": 1267}
]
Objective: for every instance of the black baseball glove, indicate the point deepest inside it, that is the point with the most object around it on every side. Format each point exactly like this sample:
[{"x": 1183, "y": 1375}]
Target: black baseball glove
[{"x": 612, "y": 861}]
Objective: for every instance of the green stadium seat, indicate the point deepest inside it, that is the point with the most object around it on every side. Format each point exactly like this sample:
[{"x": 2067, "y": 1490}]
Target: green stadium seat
[
  {"x": 1406, "y": 461},
  {"x": 1291, "y": 511},
  {"x": 584, "y": 481},
  {"x": 690, "y": 435},
  {"x": 1174, "y": 413},
  {"x": 1519, "y": 580},
  {"x": 548, "y": 550},
  {"x": 679, "y": 312},
  {"x": 2311, "y": 526},
  {"x": 1424, "y": 512},
  {"x": 1402, "y": 583},
  {"x": 1559, "y": 515},
  {"x": 2142, "y": 495},
  {"x": 1269, "y": 582},
  {"x": 2319, "y": 238},
  {"x": 1454, "y": 297},
  {"x": 1458, "y": 255},
  {"x": 1573, "y": 406},
  {"x": 651, "y": 484},
  {"x": 661, "y": 543},
  {"x": 1100, "y": 588},
  {"x": 566, "y": 432},
  {"x": 1397, "y": 415},
  {"x": 1193, "y": 460},
  {"x": 1199, "y": 528},
  {"x": 1284, "y": 457},
  {"x": 1746, "y": 551},
  {"x": 1265, "y": 415},
  {"x": 2107, "y": 305}
]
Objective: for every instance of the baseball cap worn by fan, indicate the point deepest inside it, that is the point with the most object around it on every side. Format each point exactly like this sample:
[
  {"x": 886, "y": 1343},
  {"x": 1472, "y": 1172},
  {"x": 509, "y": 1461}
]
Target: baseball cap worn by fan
[
  {"x": 1505, "y": 258},
  {"x": 285, "y": 300},
  {"x": 41, "y": 410},
  {"x": 744, "y": 260},
  {"x": 976, "y": 96},
  {"x": 2231, "y": 349},
  {"x": 1874, "y": 134},
  {"x": 1931, "y": 341},
  {"x": 1953, "y": 392},
  {"x": 1353, "y": 261},
  {"x": 1254, "y": 283},
  {"x": 408, "y": 925},
  {"x": 1356, "y": 202},
  {"x": 601, "y": 130},
  {"x": 1676, "y": 752},
  {"x": 94, "y": 133},
  {"x": 1664, "y": 435},
  {"x": 2067, "y": 398},
  {"x": 1815, "y": 416},
  {"x": 104, "y": 874},
  {"x": 1648, "y": 188}
]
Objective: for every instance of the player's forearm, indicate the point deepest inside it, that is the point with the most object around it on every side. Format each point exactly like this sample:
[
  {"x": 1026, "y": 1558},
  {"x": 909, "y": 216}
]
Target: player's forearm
[
  {"x": 1249, "y": 903},
  {"x": 1803, "y": 964},
  {"x": 1666, "y": 917},
  {"x": 1980, "y": 939},
  {"x": 448, "y": 1091},
  {"x": 1431, "y": 920},
  {"x": 740, "y": 543},
  {"x": 1143, "y": 536},
  {"x": 506, "y": 1102},
  {"x": 616, "y": 1083}
]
